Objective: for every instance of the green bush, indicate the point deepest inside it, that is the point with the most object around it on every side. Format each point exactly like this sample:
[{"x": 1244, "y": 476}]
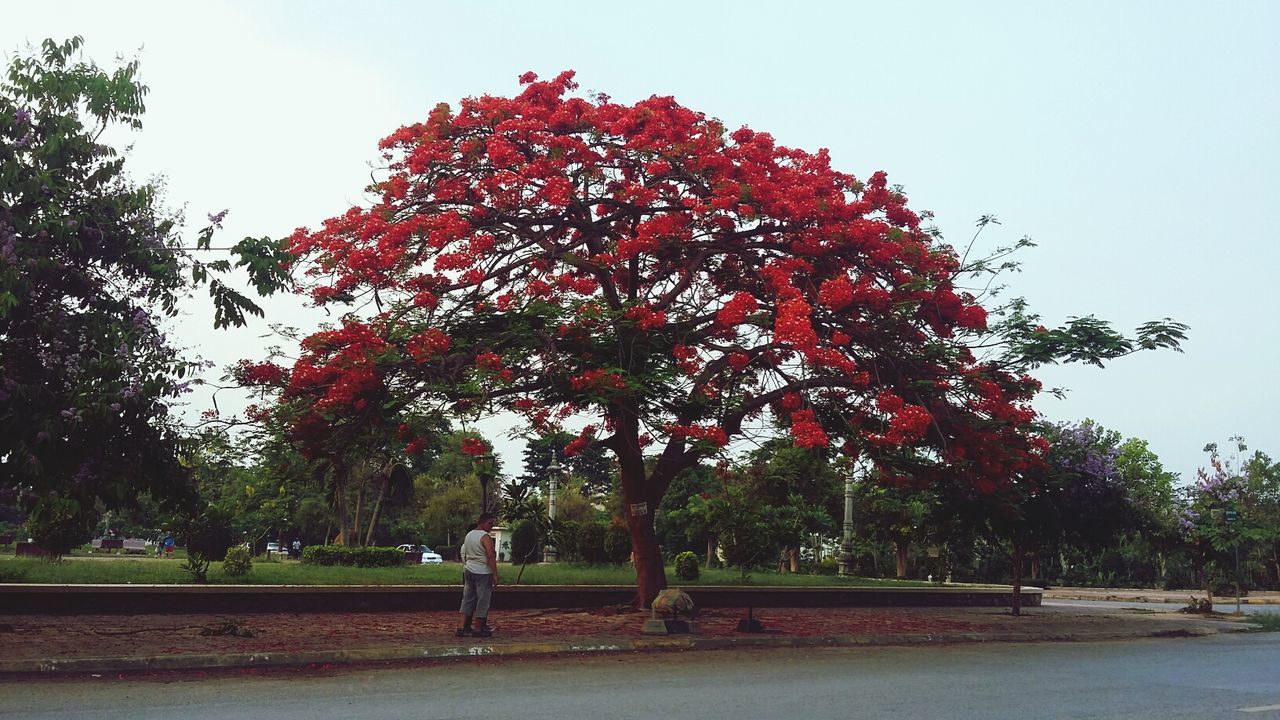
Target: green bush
[
  {"x": 617, "y": 544},
  {"x": 238, "y": 562},
  {"x": 590, "y": 545},
  {"x": 567, "y": 534},
  {"x": 353, "y": 556},
  {"x": 687, "y": 566},
  {"x": 59, "y": 524},
  {"x": 826, "y": 566},
  {"x": 207, "y": 537},
  {"x": 524, "y": 542}
]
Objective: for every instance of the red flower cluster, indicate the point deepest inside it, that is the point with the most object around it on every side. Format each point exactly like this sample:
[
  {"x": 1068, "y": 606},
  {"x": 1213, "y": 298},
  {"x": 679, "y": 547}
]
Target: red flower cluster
[
  {"x": 712, "y": 434},
  {"x": 490, "y": 361},
  {"x": 686, "y": 359},
  {"x": 259, "y": 374},
  {"x": 597, "y": 381},
  {"x": 474, "y": 447},
  {"x": 907, "y": 425},
  {"x": 735, "y": 312},
  {"x": 580, "y": 443},
  {"x": 836, "y": 293},
  {"x": 646, "y": 319},
  {"x": 427, "y": 344},
  {"x": 806, "y": 430},
  {"x": 793, "y": 327}
]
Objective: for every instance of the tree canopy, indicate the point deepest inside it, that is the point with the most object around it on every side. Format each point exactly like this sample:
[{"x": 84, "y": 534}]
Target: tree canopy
[{"x": 556, "y": 255}]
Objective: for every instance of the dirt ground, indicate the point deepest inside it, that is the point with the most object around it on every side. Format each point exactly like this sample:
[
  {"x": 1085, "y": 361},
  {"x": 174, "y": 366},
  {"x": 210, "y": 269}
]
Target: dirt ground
[{"x": 31, "y": 637}]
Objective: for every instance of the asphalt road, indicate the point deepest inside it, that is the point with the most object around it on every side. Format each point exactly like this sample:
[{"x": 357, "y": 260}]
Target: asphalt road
[{"x": 1229, "y": 676}]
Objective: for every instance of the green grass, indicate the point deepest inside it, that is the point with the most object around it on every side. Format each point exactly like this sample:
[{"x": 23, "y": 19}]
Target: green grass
[{"x": 154, "y": 571}]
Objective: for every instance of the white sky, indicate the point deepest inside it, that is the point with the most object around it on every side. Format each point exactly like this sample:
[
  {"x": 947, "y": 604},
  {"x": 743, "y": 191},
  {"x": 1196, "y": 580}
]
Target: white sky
[{"x": 1136, "y": 142}]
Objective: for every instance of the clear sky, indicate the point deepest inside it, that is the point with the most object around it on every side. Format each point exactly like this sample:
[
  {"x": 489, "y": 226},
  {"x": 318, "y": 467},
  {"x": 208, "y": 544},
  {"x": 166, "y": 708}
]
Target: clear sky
[{"x": 1138, "y": 143}]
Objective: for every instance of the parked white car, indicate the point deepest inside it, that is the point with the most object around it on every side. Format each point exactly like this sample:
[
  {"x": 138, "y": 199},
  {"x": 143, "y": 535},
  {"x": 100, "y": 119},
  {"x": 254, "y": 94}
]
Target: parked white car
[
  {"x": 429, "y": 556},
  {"x": 273, "y": 549}
]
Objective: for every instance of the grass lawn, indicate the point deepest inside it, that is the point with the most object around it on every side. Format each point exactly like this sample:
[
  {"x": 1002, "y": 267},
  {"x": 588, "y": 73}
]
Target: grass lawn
[{"x": 126, "y": 570}]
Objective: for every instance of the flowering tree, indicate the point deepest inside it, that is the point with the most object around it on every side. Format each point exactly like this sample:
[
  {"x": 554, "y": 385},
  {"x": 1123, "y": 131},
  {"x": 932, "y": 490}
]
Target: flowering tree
[
  {"x": 555, "y": 255},
  {"x": 1234, "y": 505},
  {"x": 90, "y": 264}
]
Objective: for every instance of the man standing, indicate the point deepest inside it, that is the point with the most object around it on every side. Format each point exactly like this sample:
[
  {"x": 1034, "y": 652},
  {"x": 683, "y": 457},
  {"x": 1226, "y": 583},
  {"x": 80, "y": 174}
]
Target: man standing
[{"x": 479, "y": 577}]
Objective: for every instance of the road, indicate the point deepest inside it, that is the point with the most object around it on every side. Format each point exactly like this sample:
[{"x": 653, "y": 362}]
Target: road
[{"x": 1226, "y": 676}]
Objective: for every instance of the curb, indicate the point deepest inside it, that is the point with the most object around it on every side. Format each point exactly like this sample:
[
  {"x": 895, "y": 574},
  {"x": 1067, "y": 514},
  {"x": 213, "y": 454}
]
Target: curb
[
  {"x": 1159, "y": 601},
  {"x": 113, "y": 665}
]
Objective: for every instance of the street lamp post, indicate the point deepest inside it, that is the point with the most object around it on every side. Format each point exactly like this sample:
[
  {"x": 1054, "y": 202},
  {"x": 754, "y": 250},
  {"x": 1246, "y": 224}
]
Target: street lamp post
[
  {"x": 846, "y": 546},
  {"x": 550, "y": 553}
]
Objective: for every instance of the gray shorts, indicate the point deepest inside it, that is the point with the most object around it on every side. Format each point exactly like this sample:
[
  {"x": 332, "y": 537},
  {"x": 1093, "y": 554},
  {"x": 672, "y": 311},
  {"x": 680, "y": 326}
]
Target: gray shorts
[{"x": 477, "y": 589}]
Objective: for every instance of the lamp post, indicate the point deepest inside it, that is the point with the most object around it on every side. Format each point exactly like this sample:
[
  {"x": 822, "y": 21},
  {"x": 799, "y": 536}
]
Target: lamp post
[
  {"x": 550, "y": 553},
  {"x": 846, "y": 546},
  {"x": 484, "y": 471}
]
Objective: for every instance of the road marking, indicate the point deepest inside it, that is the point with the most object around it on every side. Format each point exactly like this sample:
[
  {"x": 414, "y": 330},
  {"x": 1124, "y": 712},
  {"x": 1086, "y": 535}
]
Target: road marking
[{"x": 1259, "y": 708}]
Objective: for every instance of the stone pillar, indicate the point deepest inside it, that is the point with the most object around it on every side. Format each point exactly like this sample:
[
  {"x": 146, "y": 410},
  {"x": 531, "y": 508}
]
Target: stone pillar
[
  {"x": 550, "y": 553},
  {"x": 846, "y": 545}
]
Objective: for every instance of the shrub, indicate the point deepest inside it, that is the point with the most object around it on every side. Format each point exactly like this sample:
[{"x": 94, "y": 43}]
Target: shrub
[
  {"x": 238, "y": 562},
  {"x": 590, "y": 545},
  {"x": 60, "y": 525},
  {"x": 207, "y": 537},
  {"x": 617, "y": 544},
  {"x": 524, "y": 542},
  {"x": 826, "y": 566},
  {"x": 687, "y": 566},
  {"x": 352, "y": 556},
  {"x": 567, "y": 533}
]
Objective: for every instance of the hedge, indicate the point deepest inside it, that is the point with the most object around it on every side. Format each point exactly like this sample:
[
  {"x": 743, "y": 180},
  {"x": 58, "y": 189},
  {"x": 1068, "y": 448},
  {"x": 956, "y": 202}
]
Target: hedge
[{"x": 353, "y": 556}]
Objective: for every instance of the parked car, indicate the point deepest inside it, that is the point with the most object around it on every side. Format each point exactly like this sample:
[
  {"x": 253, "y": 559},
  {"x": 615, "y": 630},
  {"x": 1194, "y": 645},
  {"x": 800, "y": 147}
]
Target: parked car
[
  {"x": 273, "y": 548},
  {"x": 429, "y": 556}
]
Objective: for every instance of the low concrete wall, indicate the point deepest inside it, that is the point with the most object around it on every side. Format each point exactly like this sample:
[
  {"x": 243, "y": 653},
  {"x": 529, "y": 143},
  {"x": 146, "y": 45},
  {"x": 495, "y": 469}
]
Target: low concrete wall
[{"x": 160, "y": 599}]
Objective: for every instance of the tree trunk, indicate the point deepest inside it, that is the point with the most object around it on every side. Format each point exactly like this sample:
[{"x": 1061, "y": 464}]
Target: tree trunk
[
  {"x": 794, "y": 555},
  {"x": 1018, "y": 552},
  {"x": 355, "y": 537},
  {"x": 641, "y": 494},
  {"x": 711, "y": 551},
  {"x": 1035, "y": 567},
  {"x": 651, "y": 576},
  {"x": 377, "y": 508},
  {"x": 900, "y": 557},
  {"x": 345, "y": 536}
]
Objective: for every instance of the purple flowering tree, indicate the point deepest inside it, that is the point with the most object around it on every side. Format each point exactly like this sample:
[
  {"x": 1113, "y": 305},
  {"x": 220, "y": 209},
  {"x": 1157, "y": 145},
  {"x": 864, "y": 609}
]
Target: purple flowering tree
[
  {"x": 90, "y": 264},
  {"x": 1232, "y": 512}
]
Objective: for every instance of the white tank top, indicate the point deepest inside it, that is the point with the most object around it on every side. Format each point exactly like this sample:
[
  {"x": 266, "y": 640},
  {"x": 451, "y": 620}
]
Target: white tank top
[{"x": 473, "y": 556}]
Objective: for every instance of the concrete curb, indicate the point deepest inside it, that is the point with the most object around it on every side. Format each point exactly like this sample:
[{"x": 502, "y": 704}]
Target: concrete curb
[
  {"x": 116, "y": 665},
  {"x": 36, "y": 598},
  {"x": 1160, "y": 601}
]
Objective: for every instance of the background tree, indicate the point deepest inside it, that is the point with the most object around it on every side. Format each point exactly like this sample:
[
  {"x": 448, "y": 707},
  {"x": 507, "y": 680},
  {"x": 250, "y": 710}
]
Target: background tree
[
  {"x": 894, "y": 513},
  {"x": 802, "y": 487},
  {"x": 591, "y": 466}
]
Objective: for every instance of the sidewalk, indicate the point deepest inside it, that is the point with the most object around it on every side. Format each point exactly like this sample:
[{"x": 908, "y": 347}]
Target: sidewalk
[{"x": 114, "y": 644}]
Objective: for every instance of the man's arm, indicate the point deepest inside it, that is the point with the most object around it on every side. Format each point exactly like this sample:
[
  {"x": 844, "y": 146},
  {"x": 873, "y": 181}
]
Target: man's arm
[{"x": 490, "y": 556}]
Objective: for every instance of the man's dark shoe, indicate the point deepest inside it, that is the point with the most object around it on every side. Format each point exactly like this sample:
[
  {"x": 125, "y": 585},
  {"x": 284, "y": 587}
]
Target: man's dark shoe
[
  {"x": 484, "y": 632},
  {"x": 463, "y": 632}
]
